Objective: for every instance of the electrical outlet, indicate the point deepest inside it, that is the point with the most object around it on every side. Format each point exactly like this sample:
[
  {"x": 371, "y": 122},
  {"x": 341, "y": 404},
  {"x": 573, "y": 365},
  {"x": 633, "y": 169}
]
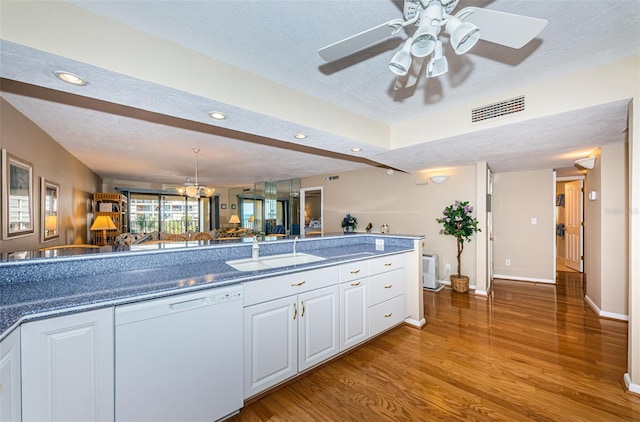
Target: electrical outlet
[
  {"x": 448, "y": 268},
  {"x": 507, "y": 262},
  {"x": 379, "y": 244}
]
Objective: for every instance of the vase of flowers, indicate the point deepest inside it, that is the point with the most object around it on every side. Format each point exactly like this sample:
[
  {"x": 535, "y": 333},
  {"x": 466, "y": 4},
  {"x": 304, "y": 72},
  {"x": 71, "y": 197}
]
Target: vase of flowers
[
  {"x": 459, "y": 223},
  {"x": 349, "y": 223}
]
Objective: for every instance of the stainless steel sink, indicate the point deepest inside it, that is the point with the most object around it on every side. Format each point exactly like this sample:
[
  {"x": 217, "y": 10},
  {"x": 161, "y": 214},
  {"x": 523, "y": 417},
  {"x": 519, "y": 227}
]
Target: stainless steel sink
[{"x": 273, "y": 261}]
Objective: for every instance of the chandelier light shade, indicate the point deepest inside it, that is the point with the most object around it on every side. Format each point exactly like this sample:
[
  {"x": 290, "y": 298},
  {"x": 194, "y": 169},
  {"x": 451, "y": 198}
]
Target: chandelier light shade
[{"x": 194, "y": 190}]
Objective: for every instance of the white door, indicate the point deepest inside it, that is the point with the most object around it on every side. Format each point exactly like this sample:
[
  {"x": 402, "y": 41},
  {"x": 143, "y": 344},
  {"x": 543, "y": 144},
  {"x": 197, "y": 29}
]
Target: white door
[
  {"x": 353, "y": 313},
  {"x": 318, "y": 337},
  {"x": 10, "y": 394},
  {"x": 573, "y": 224},
  {"x": 67, "y": 368},
  {"x": 270, "y": 344}
]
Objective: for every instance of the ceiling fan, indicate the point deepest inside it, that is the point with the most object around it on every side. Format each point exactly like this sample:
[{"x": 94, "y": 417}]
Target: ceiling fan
[{"x": 464, "y": 28}]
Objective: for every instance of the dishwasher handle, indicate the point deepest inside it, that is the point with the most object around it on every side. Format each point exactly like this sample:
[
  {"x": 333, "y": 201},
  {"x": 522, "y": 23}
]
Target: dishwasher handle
[{"x": 187, "y": 304}]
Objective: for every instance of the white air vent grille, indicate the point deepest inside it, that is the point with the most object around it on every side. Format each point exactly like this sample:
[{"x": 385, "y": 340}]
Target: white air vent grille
[
  {"x": 502, "y": 108},
  {"x": 332, "y": 178}
]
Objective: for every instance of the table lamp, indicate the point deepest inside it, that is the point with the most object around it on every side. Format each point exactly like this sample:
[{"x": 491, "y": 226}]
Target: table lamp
[
  {"x": 234, "y": 220},
  {"x": 104, "y": 223}
]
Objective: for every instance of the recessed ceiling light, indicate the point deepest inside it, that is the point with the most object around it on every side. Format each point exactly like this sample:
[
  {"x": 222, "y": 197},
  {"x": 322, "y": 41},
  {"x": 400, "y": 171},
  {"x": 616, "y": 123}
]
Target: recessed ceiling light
[
  {"x": 70, "y": 78},
  {"x": 300, "y": 135},
  {"x": 356, "y": 149},
  {"x": 218, "y": 115}
]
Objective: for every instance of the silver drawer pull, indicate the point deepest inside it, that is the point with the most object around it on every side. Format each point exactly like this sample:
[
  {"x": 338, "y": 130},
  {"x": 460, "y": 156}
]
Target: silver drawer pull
[
  {"x": 388, "y": 264},
  {"x": 388, "y": 315},
  {"x": 355, "y": 272},
  {"x": 297, "y": 284},
  {"x": 388, "y": 286},
  {"x": 355, "y": 284}
]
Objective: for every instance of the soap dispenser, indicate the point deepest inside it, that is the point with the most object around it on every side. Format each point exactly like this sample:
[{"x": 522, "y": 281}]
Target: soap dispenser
[{"x": 255, "y": 249}]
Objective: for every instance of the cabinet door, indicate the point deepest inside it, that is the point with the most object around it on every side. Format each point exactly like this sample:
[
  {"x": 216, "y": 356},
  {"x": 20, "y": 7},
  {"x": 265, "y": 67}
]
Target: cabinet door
[
  {"x": 270, "y": 344},
  {"x": 67, "y": 368},
  {"x": 318, "y": 326},
  {"x": 353, "y": 313},
  {"x": 10, "y": 400}
]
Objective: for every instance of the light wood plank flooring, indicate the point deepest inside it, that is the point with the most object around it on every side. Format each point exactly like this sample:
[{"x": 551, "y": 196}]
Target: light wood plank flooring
[{"x": 529, "y": 352}]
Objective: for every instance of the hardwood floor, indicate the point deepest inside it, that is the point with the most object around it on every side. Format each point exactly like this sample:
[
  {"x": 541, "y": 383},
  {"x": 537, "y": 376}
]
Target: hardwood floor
[{"x": 529, "y": 352}]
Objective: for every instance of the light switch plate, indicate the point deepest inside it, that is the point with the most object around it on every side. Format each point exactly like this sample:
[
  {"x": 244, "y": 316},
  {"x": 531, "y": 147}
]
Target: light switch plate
[{"x": 379, "y": 244}]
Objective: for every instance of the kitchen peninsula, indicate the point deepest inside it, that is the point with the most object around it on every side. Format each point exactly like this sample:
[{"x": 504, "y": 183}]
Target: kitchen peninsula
[{"x": 362, "y": 285}]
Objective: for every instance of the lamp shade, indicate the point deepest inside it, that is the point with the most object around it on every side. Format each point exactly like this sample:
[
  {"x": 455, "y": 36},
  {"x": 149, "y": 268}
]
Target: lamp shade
[
  {"x": 401, "y": 61},
  {"x": 234, "y": 219},
  {"x": 464, "y": 35},
  {"x": 251, "y": 219},
  {"x": 426, "y": 36},
  {"x": 103, "y": 222},
  {"x": 51, "y": 223}
]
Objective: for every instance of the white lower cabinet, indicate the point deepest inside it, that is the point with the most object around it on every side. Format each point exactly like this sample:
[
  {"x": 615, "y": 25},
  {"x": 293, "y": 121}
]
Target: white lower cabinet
[
  {"x": 67, "y": 368},
  {"x": 354, "y": 313},
  {"x": 10, "y": 394},
  {"x": 288, "y": 335},
  {"x": 386, "y": 300}
]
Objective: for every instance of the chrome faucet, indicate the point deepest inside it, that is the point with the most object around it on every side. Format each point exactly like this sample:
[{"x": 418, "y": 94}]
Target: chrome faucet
[{"x": 295, "y": 240}]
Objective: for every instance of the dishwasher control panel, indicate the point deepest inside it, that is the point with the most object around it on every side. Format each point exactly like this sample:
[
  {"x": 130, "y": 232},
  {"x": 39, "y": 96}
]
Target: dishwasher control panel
[{"x": 225, "y": 297}]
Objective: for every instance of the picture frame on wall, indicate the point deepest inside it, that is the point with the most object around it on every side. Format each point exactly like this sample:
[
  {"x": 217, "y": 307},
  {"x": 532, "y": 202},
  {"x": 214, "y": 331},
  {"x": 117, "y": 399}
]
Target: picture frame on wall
[
  {"x": 17, "y": 196},
  {"x": 223, "y": 206},
  {"x": 233, "y": 206}
]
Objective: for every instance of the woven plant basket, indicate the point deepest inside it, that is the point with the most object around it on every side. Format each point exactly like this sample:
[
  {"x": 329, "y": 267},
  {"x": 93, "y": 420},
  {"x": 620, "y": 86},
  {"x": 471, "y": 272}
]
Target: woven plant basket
[{"x": 460, "y": 284}]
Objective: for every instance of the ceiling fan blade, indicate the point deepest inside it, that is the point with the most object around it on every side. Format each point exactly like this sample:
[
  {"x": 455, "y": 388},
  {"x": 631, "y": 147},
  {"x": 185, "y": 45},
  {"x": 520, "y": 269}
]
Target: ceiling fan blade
[
  {"x": 503, "y": 28},
  {"x": 411, "y": 78},
  {"x": 359, "y": 41}
]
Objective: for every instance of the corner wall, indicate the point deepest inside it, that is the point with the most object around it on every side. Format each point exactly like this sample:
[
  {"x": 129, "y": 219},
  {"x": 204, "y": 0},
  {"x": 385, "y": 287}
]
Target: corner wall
[{"x": 24, "y": 139}]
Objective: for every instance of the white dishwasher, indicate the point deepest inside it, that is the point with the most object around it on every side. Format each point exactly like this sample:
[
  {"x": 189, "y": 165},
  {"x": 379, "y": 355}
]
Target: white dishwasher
[{"x": 179, "y": 358}]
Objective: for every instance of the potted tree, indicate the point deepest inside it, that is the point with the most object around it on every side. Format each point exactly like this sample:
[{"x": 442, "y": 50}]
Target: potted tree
[{"x": 459, "y": 222}]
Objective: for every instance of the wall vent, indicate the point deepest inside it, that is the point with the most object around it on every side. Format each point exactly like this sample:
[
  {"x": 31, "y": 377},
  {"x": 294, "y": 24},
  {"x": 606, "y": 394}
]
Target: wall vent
[
  {"x": 332, "y": 177},
  {"x": 502, "y": 108}
]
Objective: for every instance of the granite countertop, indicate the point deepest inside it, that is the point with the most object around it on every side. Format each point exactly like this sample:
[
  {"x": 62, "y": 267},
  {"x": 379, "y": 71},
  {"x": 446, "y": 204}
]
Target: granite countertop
[{"x": 33, "y": 298}]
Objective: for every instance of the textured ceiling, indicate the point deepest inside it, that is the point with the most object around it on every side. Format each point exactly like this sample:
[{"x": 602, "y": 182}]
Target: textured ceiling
[{"x": 149, "y": 138}]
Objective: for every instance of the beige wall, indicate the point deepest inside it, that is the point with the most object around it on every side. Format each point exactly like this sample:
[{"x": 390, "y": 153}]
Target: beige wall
[
  {"x": 517, "y": 198},
  {"x": 22, "y": 138},
  {"x": 374, "y": 196},
  {"x": 607, "y": 232}
]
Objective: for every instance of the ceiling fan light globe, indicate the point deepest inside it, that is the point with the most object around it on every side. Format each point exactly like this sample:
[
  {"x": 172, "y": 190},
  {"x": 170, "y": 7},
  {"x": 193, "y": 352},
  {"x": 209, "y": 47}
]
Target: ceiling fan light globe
[
  {"x": 181, "y": 190},
  {"x": 400, "y": 63},
  {"x": 437, "y": 66},
  {"x": 464, "y": 35},
  {"x": 192, "y": 191},
  {"x": 208, "y": 192},
  {"x": 424, "y": 42}
]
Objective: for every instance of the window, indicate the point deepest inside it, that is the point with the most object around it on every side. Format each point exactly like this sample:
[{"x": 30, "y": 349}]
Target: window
[{"x": 150, "y": 212}]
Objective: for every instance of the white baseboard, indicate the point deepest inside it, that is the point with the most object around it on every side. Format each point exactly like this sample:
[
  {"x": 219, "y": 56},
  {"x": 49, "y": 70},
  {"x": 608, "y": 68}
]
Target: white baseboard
[
  {"x": 415, "y": 322},
  {"x": 531, "y": 279},
  {"x": 481, "y": 292},
  {"x": 634, "y": 388},
  {"x": 602, "y": 313}
]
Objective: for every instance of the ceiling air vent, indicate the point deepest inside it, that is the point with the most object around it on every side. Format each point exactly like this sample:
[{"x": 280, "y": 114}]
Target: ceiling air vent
[
  {"x": 502, "y": 108},
  {"x": 332, "y": 178}
]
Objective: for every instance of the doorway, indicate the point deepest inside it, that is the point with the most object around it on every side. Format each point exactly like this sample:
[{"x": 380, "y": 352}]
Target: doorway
[
  {"x": 311, "y": 211},
  {"x": 569, "y": 224}
]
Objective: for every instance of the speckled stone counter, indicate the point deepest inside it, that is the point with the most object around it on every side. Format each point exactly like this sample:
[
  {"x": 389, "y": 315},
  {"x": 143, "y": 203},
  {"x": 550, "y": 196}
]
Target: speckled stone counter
[{"x": 36, "y": 288}]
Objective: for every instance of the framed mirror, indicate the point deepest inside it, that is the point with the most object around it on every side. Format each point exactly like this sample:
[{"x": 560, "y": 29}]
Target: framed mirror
[
  {"x": 17, "y": 196},
  {"x": 49, "y": 210}
]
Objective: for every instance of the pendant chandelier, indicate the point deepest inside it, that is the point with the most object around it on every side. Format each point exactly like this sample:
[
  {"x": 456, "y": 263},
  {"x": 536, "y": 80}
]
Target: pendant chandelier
[{"x": 194, "y": 190}]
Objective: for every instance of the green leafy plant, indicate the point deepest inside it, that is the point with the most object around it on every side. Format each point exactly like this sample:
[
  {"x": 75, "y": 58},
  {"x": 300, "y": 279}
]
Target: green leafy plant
[
  {"x": 459, "y": 223},
  {"x": 349, "y": 221}
]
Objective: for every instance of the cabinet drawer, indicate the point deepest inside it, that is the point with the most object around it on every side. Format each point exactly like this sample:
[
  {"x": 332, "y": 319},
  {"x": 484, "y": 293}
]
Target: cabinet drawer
[
  {"x": 386, "y": 263},
  {"x": 386, "y": 286},
  {"x": 385, "y": 315},
  {"x": 353, "y": 271},
  {"x": 265, "y": 289}
]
